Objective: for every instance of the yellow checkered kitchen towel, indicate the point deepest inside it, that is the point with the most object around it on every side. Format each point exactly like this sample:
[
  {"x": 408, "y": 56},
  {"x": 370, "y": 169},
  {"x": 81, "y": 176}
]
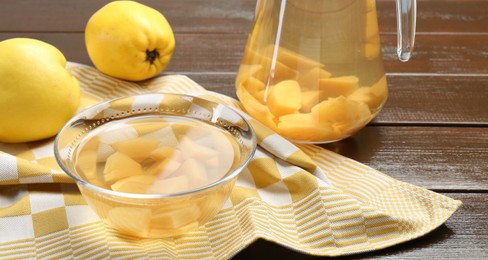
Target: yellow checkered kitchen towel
[{"x": 340, "y": 207}]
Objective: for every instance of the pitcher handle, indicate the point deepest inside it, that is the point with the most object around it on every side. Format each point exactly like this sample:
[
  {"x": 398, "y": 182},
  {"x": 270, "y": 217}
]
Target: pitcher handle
[{"x": 406, "y": 23}]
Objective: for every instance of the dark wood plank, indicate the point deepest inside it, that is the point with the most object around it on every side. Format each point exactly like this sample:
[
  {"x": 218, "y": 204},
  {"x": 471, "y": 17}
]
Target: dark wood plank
[
  {"x": 440, "y": 99},
  {"x": 463, "y": 236},
  {"x": 438, "y": 158},
  {"x": 460, "y": 54},
  {"x": 71, "y": 16},
  {"x": 229, "y": 16},
  {"x": 434, "y": 16},
  {"x": 464, "y": 54}
]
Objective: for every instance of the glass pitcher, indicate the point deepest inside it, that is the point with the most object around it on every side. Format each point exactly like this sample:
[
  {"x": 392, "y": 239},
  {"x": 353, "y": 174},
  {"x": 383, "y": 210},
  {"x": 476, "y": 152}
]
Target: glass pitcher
[{"x": 312, "y": 69}]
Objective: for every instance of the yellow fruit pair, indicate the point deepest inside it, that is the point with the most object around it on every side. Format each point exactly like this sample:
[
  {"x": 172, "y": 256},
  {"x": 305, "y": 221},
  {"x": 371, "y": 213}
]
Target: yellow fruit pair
[{"x": 38, "y": 96}]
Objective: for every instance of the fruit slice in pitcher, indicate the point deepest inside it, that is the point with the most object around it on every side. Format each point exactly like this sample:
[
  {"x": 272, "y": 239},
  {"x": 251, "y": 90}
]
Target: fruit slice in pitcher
[
  {"x": 294, "y": 60},
  {"x": 255, "y": 88},
  {"x": 303, "y": 126},
  {"x": 309, "y": 80},
  {"x": 284, "y": 98},
  {"x": 373, "y": 96},
  {"x": 255, "y": 108},
  {"x": 339, "y": 86}
]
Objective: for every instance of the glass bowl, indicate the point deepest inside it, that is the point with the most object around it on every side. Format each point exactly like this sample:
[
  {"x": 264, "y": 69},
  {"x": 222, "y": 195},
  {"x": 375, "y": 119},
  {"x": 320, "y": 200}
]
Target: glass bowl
[{"x": 153, "y": 214}]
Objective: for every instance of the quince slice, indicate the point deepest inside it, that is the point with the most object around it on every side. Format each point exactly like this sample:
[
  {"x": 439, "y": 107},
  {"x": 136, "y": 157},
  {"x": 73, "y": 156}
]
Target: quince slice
[
  {"x": 166, "y": 152},
  {"x": 86, "y": 166},
  {"x": 371, "y": 31},
  {"x": 372, "y": 49},
  {"x": 165, "y": 137},
  {"x": 298, "y": 118},
  {"x": 191, "y": 149},
  {"x": 310, "y": 98},
  {"x": 134, "y": 184},
  {"x": 247, "y": 71},
  {"x": 175, "y": 184},
  {"x": 86, "y": 162},
  {"x": 275, "y": 74},
  {"x": 277, "y": 70},
  {"x": 146, "y": 128},
  {"x": 228, "y": 154},
  {"x": 364, "y": 95},
  {"x": 254, "y": 108},
  {"x": 196, "y": 173},
  {"x": 256, "y": 87},
  {"x": 294, "y": 60},
  {"x": 282, "y": 72},
  {"x": 339, "y": 86},
  {"x": 236, "y": 150},
  {"x": 164, "y": 168},
  {"x": 191, "y": 130},
  {"x": 119, "y": 166},
  {"x": 343, "y": 114},
  {"x": 363, "y": 117},
  {"x": 334, "y": 110},
  {"x": 284, "y": 98},
  {"x": 380, "y": 88},
  {"x": 118, "y": 133},
  {"x": 92, "y": 144},
  {"x": 137, "y": 149},
  {"x": 310, "y": 79},
  {"x": 304, "y": 127},
  {"x": 104, "y": 151},
  {"x": 373, "y": 96}
]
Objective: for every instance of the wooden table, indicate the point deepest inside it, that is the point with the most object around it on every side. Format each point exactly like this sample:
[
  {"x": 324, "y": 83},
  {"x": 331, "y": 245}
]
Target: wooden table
[{"x": 433, "y": 131}]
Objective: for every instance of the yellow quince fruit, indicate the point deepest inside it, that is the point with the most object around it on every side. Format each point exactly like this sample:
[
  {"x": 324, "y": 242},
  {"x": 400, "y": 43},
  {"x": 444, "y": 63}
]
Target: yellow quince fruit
[
  {"x": 129, "y": 40},
  {"x": 37, "y": 94}
]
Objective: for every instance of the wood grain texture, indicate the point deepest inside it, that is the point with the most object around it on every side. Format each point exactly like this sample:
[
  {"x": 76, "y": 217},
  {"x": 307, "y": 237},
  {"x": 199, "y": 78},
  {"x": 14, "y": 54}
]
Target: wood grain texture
[
  {"x": 442, "y": 54},
  {"x": 229, "y": 16},
  {"x": 217, "y": 16},
  {"x": 440, "y": 99},
  {"x": 437, "y": 158},
  {"x": 439, "y": 16},
  {"x": 457, "y": 239}
]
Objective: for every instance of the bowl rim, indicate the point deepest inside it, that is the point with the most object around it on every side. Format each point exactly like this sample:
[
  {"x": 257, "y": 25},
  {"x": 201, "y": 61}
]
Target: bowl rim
[{"x": 194, "y": 191}]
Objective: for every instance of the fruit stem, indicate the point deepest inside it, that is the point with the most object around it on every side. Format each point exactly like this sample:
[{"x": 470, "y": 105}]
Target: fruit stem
[{"x": 151, "y": 55}]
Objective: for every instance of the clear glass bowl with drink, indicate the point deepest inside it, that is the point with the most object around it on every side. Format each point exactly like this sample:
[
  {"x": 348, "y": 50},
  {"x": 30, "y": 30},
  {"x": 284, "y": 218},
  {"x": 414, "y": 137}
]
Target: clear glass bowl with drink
[{"x": 155, "y": 165}]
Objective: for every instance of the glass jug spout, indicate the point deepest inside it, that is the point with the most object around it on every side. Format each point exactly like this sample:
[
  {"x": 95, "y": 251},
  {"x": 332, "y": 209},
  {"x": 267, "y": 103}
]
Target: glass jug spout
[{"x": 406, "y": 23}]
